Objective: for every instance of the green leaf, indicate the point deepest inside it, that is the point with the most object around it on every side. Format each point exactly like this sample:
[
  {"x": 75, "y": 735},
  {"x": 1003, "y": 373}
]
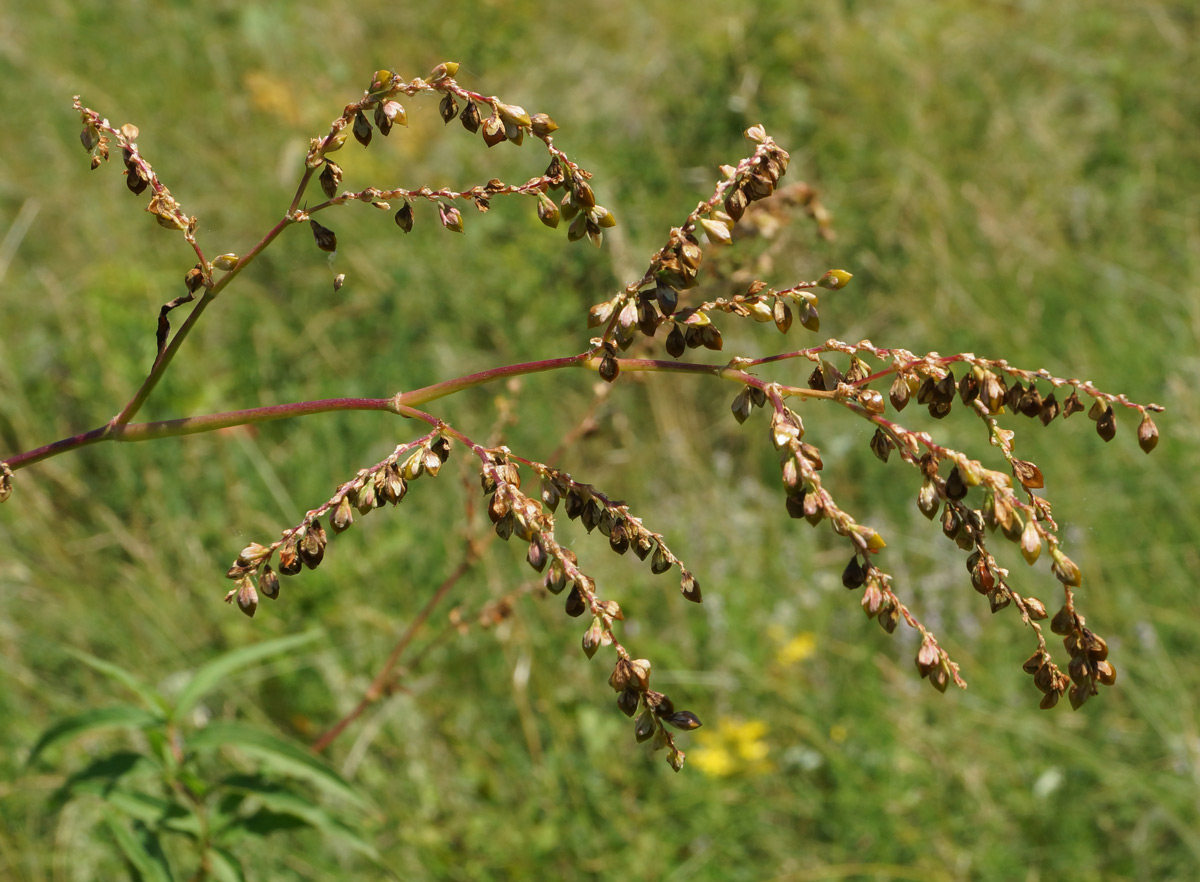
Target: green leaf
[
  {"x": 158, "y": 813},
  {"x": 283, "y": 807},
  {"x": 121, "y": 715},
  {"x": 101, "y": 775},
  {"x": 224, "y": 866},
  {"x": 285, "y": 757},
  {"x": 144, "y": 852},
  {"x": 209, "y": 675},
  {"x": 150, "y": 697}
]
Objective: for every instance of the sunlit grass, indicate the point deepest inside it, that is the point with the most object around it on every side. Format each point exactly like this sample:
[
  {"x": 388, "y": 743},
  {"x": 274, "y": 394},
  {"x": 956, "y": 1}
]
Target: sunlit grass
[{"x": 1018, "y": 180}]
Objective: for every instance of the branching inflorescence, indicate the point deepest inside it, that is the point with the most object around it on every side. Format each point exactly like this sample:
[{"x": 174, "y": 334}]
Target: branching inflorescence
[{"x": 973, "y": 503}]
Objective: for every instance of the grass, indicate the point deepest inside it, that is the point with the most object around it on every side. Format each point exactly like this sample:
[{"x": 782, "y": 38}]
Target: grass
[{"x": 1012, "y": 179}]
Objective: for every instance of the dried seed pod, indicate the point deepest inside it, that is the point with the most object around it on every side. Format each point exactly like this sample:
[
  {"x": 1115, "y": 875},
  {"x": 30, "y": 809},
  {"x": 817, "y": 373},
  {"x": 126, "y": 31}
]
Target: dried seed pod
[
  {"x": 247, "y": 596},
  {"x": 645, "y": 728},
  {"x": 268, "y": 583},
  {"x": 289, "y": 558},
  {"x": 952, "y": 522},
  {"x": 331, "y": 176},
  {"x": 881, "y": 445},
  {"x": 576, "y": 606},
  {"x": 343, "y": 515},
  {"x": 809, "y": 319},
  {"x": 556, "y": 578},
  {"x": 194, "y": 279},
  {"x": 690, "y": 587},
  {"x": 622, "y": 677},
  {"x": 1030, "y": 404},
  {"x": 899, "y": 392},
  {"x": 542, "y": 125},
  {"x": 968, "y": 387},
  {"x": 1147, "y": 433},
  {"x": 1106, "y": 673},
  {"x": 628, "y": 701},
  {"x": 1036, "y": 609},
  {"x": 1066, "y": 570},
  {"x": 927, "y": 499},
  {"x": 956, "y": 488},
  {"x": 854, "y": 575},
  {"x": 1028, "y": 474},
  {"x": 618, "y": 538},
  {"x": 660, "y": 562},
  {"x": 470, "y": 117},
  {"x": 448, "y": 108},
  {"x": 999, "y": 598},
  {"x": 404, "y": 217},
  {"x": 312, "y": 546},
  {"x": 1050, "y": 409},
  {"x": 591, "y": 639},
  {"x": 325, "y": 238},
  {"x": 1034, "y": 663},
  {"x": 741, "y": 405},
  {"x": 684, "y": 720},
  {"x": 889, "y": 617},
  {"x": 362, "y": 129},
  {"x": 676, "y": 341},
  {"x": 1072, "y": 404},
  {"x": 1063, "y": 622},
  {"x": 735, "y": 204}
]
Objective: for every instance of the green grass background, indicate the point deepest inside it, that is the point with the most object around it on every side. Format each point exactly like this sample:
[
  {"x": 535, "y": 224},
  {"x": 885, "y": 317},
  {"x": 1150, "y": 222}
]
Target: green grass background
[{"x": 1015, "y": 179}]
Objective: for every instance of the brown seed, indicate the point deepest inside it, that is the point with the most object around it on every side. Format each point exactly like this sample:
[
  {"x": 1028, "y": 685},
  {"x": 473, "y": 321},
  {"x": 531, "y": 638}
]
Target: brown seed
[
  {"x": 1106, "y": 425},
  {"x": 325, "y": 238},
  {"x": 689, "y": 586},
  {"x": 881, "y": 445},
  {"x": 628, "y": 701},
  {"x": 1147, "y": 434},
  {"x": 542, "y": 125},
  {"x": 956, "y": 488},
  {"x": 1063, "y": 622},
  {"x": 470, "y": 117},
  {"x": 684, "y": 720},
  {"x": 968, "y": 387},
  {"x": 644, "y": 729},
  {"x": 1072, "y": 404},
  {"x": 1050, "y": 409},
  {"x": 576, "y": 606},
  {"x": 660, "y": 562},
  {"x": 362, "y": 129},
  {"x": 609, "y": 369},
  {"x": 268, "y": 583},
  {"x": 331, "y": 176},
  {"x": 853, "y": 576},
  {"x": 404, "y": 217},
  {"x": 1028, "y": 474},
  {"x": 899, "y": 392}
]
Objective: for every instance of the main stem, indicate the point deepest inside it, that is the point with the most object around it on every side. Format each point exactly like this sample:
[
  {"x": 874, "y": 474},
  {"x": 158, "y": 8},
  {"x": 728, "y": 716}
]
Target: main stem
[{"x": 397, "y": 404}]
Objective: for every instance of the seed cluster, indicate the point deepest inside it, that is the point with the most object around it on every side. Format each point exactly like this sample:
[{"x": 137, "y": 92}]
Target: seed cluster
[
  {"x": 514, "y": 513},
  {"x": 653, "y": 300},
  {"x": 304, "y": 544},
  {"x": 504, "y": 122}
]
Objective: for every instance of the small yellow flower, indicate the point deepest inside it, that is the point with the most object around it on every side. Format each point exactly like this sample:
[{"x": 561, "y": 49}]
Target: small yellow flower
[
  {"x": 733, "y": 747},
  {"x": 797, "y": 649}
]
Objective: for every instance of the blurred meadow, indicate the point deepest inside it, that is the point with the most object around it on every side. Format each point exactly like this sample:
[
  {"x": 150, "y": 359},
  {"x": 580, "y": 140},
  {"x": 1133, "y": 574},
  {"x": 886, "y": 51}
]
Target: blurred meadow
[{"x": 1014, "y": 179}]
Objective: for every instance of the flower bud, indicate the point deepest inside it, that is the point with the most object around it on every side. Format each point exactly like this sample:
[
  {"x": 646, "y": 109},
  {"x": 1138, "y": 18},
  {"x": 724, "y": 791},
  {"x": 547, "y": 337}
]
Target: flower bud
[{"x": 835, "y": 279}]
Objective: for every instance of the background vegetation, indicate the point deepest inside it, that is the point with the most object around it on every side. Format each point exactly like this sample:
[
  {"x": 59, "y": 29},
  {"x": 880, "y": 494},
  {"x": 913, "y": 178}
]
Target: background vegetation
[{"x": 1018, "y": 179}]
